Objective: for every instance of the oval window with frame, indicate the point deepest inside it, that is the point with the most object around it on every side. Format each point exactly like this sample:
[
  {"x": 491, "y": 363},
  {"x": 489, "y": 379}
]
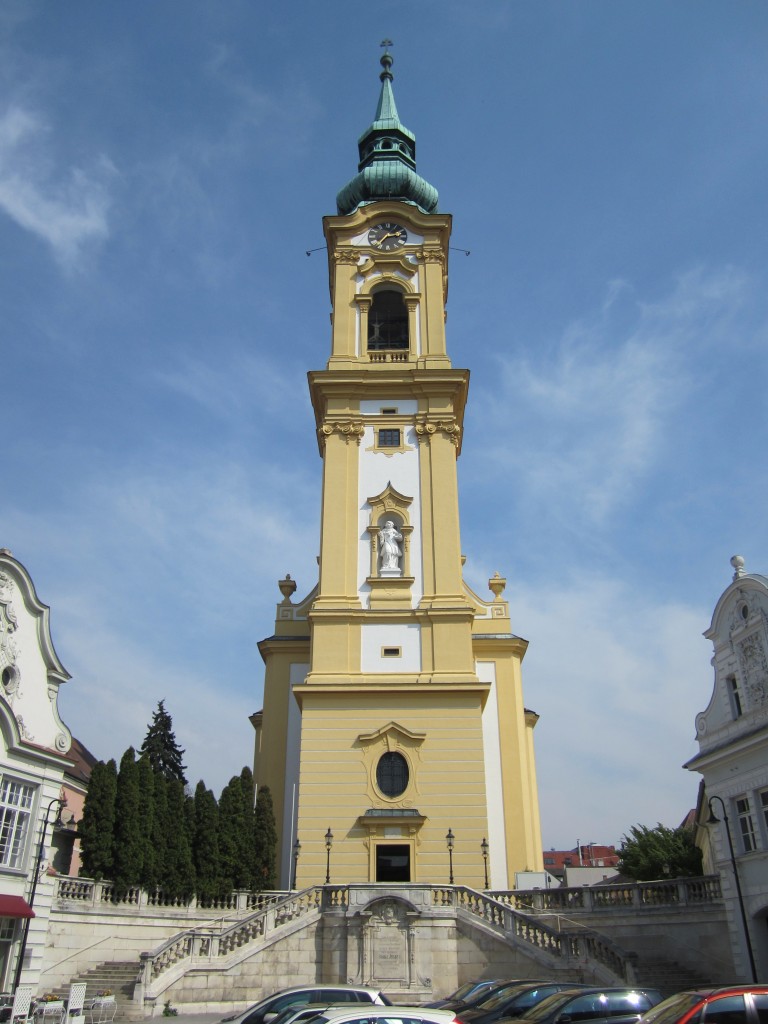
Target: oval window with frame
[{"x": 392, "y": 774}]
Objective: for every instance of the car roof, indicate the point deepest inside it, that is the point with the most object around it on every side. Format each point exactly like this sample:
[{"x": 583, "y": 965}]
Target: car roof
[
  {"x": 334, "y": 1012},
  {"x": 722, "y": 989}
]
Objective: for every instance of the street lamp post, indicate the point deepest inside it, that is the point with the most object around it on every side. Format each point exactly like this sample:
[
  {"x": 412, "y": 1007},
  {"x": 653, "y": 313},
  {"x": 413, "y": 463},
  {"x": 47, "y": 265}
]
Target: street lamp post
[
  {"x": 56, "y": 802},
  {"x": 296, "y": 852},
  {"x": 484, "y": 848},
  {"x": 328, "y": 845},
  {"x": 449, "y": 838},
  {"x": 714, "y": 820}
]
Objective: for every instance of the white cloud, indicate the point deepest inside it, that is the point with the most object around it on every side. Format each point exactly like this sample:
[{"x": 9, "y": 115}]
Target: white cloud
[
  {"x": 589, "y": 419},
  {"x": 68, "y": 210}
]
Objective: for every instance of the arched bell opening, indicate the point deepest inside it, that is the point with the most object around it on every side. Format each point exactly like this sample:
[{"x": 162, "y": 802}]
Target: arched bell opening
[{"x": 388, "y": 321}]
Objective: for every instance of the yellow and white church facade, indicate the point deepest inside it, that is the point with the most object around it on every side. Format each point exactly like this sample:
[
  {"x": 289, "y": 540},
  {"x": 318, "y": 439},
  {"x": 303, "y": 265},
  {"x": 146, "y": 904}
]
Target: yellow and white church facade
[{"x": 394, "y": 736}]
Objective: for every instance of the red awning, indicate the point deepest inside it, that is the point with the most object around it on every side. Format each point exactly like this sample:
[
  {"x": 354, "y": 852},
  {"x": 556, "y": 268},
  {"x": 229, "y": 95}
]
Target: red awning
[{"x": 15, "y": 906}]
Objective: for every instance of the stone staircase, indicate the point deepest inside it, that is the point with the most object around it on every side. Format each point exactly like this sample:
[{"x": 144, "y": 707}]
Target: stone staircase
[
  {"x": 118, "y": 977},
  {"x": 668, "y": 975}
]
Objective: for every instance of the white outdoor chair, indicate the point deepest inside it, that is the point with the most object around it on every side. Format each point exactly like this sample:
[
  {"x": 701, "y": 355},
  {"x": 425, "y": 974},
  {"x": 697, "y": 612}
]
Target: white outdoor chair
[
  {"x": 76, "y": 1000},
  {"x": 22, "y": 1003}
]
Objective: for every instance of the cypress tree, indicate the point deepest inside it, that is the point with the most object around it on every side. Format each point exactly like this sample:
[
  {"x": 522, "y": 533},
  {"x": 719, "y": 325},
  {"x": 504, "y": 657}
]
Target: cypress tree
[
  {"x": 206, "y": 845},
  {"x": 161, "y": 748},
  {"x": 160, "y": 828},
  {"x": 231, "y": 824},
  {"x": 265, "y": 839},
  {"x": 128, "y": 847},
  {"x": 149, "y": 865},
  {"x": 179, "y": 882},
  {"x": 250, "y": 873},
  {"x": 96, "y": 829}
]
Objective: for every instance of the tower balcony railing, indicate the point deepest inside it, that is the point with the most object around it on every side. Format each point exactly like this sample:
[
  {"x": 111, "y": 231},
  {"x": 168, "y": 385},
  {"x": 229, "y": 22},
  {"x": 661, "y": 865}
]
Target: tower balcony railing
[{"x": 391, "y": 355}]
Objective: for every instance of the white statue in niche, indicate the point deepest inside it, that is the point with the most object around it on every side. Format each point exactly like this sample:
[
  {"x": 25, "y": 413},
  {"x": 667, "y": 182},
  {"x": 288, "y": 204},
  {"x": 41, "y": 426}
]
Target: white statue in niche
[{"x": 389, "y": 547}]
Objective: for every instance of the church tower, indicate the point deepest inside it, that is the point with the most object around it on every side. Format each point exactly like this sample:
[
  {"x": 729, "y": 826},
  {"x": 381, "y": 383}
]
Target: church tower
[{"x": 394, "y": 737}]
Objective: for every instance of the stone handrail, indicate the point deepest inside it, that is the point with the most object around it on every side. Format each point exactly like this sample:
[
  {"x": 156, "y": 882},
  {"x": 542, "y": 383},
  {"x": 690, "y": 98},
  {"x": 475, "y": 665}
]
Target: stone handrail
[
  {"x": 209, "y": 944},
  {"x": 665, "y": 893},
  {"x": 566, "y": 945},
  {"x": 90, "y": 892}
]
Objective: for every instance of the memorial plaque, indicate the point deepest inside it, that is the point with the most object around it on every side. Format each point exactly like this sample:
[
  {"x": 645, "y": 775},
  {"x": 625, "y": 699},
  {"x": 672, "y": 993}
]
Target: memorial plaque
[{"x": 389, "y": 953}]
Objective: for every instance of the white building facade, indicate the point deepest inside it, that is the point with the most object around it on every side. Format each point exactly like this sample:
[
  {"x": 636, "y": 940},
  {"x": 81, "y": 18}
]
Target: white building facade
[
  {"x": 732, "y": 733},
  {"x": 33, "y": 759}
]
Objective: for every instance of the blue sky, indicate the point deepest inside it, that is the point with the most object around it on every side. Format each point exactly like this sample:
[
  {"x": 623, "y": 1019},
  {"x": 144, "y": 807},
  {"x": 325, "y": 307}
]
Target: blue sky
[{"x": 163, "y": 168}]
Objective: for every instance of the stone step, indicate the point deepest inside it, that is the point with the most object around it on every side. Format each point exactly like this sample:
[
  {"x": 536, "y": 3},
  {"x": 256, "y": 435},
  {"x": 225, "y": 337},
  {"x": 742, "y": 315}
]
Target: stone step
[
  {"x": 119, "y": 977},
  {"x": 669, "y": 975}
]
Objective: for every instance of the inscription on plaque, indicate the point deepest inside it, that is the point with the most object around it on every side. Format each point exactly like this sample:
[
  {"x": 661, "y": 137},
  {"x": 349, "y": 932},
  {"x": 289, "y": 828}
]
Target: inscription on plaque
[
  {"x": 388, "y": 943},
  {"x": 389, "y": 953}
]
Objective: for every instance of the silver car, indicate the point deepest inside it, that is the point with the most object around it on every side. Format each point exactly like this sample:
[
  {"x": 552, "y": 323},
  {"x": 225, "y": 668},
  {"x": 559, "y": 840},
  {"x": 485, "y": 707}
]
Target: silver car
[
  {"x": 268, "y": 1008},
  {"x": 385, "y": 1015}
]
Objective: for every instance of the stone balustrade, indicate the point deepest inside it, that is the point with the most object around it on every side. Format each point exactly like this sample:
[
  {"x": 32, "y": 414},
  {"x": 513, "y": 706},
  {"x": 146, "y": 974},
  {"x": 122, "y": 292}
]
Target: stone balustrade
[
  {"x": 89, "y": 892},
  {"x": 674, "y": 892}
]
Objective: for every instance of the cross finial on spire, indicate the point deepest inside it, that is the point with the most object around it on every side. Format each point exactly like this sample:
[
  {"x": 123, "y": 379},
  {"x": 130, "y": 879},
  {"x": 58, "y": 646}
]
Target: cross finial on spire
[{"x": 386, "y": 60}]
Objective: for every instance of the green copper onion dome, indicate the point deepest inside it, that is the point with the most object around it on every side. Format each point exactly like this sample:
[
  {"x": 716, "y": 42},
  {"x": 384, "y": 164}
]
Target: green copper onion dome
[{"x": 387, "y": 168}]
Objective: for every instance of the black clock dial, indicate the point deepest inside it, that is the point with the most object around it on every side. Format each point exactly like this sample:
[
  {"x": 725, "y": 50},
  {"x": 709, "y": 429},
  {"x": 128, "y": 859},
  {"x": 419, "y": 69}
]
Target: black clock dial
[{"x": 387, "y": 236}]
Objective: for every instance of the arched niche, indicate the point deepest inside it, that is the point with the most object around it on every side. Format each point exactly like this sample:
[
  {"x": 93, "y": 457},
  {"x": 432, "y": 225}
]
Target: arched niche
[{"x": 389, "y": 507}]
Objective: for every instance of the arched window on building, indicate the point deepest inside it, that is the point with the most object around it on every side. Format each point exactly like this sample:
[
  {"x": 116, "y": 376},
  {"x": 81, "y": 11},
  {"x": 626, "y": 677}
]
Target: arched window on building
[{"x": 387, "y": 321}]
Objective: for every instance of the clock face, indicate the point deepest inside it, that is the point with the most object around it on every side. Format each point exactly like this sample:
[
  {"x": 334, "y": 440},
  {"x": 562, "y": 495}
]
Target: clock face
[{"x": 387, "y": 237}]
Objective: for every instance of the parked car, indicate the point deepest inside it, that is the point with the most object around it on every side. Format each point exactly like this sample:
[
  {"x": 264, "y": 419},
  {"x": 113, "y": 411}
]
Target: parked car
[
  {"x": 386, "y": 1015},
  {"x": 296, "y": 1013},
  {"x": 469, "y": 994},
  {"x": 610, "y": 1005},
  {"x": 513, "y": 1001},
  {"x": 734, "y": 1004},
  {"x": 268, "y": 1008}
]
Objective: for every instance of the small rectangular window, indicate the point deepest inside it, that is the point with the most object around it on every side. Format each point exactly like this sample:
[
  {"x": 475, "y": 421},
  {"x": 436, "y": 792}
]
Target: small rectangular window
[
  {"x": 389, "y": 412},
  {"x": 746, "y": 824},
  {"x": 391, "y": 652},
  {"x": 735, "y": 697},
  {"x": 389, "y": 438}
]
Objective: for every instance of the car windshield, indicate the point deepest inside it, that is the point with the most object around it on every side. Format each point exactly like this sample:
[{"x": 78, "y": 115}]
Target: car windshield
[
  {"x": 498, "y": 998},
  {"x": 546, "y": 1006},
  {"x": 672, "y": 1009},
  {"x": 464, "y": 990}
]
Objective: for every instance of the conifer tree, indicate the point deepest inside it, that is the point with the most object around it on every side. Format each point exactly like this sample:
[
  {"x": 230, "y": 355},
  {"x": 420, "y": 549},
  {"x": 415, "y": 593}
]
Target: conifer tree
[
  {"x": 206, "y": 845},
  {"x": 250, "y": 874},
  {"x": 265, "y": 840},
  {"x": 160, "y": 828},
  {"x": 128, "y": 848},
  {"x": 232, "y": 824},
  {"x": 149, "y": 863},
  {"x": 98, "y": 822},
  {"x": 161, "y": 748},
  {"x": 179, "y": 879}
]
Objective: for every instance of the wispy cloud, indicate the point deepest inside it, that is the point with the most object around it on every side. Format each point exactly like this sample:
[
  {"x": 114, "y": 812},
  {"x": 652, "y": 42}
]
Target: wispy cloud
[
  {"x": 242, "y": 383},
  {"x": 589, "y": 417},
  {"x": 67, "y": 208}
]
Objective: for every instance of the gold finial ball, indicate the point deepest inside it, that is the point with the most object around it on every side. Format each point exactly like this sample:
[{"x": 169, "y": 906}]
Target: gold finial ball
[
  {"x": 287, "y": 588},
  {"x": 496, "y": 585}
]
